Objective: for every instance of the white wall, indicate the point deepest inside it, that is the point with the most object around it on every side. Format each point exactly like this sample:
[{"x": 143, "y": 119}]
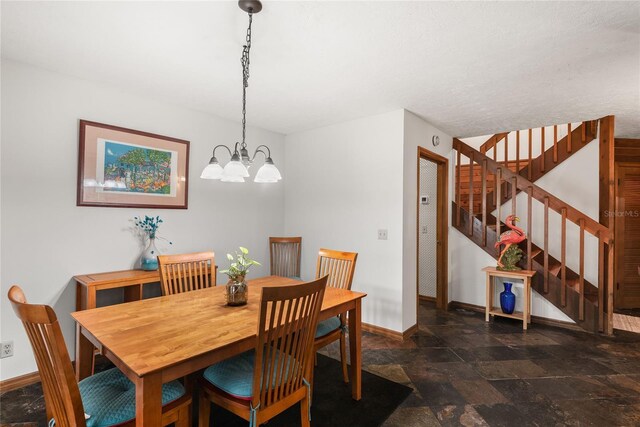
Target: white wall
[
  {"x": 344, "y": 182},
  {"x": 417, "y": 133},
  {"x": 46, "y": 239}
]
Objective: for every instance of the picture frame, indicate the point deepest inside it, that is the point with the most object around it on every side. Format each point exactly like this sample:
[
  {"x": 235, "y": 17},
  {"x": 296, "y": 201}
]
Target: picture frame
[{"x": 126, "y": 168}]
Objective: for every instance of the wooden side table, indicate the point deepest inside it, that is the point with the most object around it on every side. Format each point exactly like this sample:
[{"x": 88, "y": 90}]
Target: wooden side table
[
  {"x": 525, "y": 276},
  {"x": 88, "y": 285}
]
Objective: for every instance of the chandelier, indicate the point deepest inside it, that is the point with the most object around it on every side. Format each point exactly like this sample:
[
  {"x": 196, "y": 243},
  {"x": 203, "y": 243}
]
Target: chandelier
[{"x": 238, "y": 167}]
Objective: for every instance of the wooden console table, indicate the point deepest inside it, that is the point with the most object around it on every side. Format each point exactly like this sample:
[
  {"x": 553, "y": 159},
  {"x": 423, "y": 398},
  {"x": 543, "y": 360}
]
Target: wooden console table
[
  {"x": 88, "y": 285},
  {"x": 525, "y": 276}
]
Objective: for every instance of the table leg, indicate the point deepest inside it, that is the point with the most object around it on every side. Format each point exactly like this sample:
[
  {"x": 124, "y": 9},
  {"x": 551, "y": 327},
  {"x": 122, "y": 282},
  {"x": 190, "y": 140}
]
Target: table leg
[
  {"x": 488, "y": 300},
  {"x": 355, "y": 349},
  {"x": 84, "y": 355},
  {"x": 526, "y": 305},
  {"x": 149, "y": 400},
  {"x": 530, "y": 297}
]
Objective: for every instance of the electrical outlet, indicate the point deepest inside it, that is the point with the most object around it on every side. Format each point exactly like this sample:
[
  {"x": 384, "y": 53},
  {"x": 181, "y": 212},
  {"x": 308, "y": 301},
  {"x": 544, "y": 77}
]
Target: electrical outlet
[
  {"x": 6, "y": 349},
  {"x": 382, "y": 234},
  {"x": 424, "y": 229}
]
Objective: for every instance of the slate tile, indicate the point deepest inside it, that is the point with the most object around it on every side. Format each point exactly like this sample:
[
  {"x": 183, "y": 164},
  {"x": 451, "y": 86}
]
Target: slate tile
[
  {"x": 478, "y": 392},
  {"x": 602, "y": 412},
  {"x": 576, "y": 366},
  {"x": 439, "y": 393},
  {"x": 509, "y": 369},
  {"x": 424, "y": 340},
  {"x": 572, "y": 388},
  {"x": 412, "y": 417},
  {"x": 626, "y": 385},
  {"x": 517, "y": 390},
  {"x": 503, "y": 415},
  {"x": 441, "y": 371},
  {"x": 525, "y": 338},
  {"x": 460, "y": 415}
]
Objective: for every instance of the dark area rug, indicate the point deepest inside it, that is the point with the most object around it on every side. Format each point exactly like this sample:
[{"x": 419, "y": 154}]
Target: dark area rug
[{"x": 332, "y": 402}]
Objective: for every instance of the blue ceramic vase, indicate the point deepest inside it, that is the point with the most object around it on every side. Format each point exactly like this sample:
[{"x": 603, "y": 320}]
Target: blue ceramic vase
[{"x": 507, "y": 299}]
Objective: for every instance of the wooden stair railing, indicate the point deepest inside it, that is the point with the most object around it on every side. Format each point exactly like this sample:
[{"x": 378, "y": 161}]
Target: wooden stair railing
[
  {"x": 532, "y": 168},
  {"x": 551, "y": 270}
]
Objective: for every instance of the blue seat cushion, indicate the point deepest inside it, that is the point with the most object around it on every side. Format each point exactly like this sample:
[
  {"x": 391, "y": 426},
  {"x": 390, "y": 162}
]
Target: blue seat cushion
[
  {"x": 235, "y": 375},
  {"x": 109, "y": 398},
  {"x": 327, "y": 326}
]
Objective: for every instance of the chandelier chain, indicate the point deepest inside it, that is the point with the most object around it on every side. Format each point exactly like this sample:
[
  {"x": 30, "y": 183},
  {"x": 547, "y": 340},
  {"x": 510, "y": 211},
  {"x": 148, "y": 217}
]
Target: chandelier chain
[{"x": 245, "y": 78}]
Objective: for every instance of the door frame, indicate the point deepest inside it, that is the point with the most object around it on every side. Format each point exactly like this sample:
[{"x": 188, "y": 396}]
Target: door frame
[{"x": 442, "y": 228}]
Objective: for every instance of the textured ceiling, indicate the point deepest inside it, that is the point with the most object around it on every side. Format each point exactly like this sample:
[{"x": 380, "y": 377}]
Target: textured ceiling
[{"x": 469, "y": 68}]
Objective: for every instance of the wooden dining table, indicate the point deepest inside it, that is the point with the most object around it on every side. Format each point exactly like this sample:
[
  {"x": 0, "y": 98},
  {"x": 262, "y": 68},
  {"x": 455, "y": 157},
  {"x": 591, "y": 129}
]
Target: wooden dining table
[{"x": 157, "y": 340}]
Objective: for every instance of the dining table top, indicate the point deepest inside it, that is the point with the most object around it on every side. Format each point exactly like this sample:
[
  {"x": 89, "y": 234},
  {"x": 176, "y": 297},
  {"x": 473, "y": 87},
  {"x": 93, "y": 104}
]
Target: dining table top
[{"x": 152, "y": 334}]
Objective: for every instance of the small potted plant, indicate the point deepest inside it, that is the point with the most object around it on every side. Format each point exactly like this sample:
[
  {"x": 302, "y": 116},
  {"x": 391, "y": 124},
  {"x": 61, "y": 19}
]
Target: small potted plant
[
  {"x": 149, "y": 227},
  {"x": 236, "y": 291}
]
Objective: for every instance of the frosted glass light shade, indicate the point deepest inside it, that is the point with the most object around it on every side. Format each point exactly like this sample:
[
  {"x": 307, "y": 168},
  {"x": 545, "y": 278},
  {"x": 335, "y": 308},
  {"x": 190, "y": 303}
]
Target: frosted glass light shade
[
  {"x": 234, "y": 169},
  {"x": 268, "y": 173},
  {"x": 212, "y": 171},
  {"x": 232, "y": 179}
]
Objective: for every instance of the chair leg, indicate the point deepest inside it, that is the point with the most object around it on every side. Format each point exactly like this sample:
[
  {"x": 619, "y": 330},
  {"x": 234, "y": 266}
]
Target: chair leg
[
  {"x": 184, "y": 417},
  {"x": 304, "y": 411},
  {"x": 343, "y": 357},
  {"x": 204, "y": 410}
]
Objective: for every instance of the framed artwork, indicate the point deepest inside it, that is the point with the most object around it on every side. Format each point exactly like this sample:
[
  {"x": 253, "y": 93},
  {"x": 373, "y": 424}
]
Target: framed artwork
[{"x": 125, "y": 168}]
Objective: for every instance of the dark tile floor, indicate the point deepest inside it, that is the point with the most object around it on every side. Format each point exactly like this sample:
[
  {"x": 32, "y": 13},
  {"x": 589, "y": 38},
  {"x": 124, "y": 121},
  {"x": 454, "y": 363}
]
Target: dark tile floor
[{"x": 466, "y": 372}]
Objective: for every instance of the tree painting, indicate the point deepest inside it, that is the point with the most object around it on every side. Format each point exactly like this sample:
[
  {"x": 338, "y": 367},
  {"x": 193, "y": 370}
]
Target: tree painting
[{"x": 134, "y": 169}]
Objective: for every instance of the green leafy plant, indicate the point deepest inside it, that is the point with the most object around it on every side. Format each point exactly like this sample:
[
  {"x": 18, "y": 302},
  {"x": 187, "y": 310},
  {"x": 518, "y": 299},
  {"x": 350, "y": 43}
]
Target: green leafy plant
[{"x": 240, "y": 265}]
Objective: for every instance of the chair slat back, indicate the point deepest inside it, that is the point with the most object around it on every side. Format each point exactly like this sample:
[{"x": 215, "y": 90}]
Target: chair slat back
[
  {"x": 340, "y": 267},
  {"x": 187, "y": 272},
  {"x": 285, "y": 256},
  {"x": 61, "y": 392},
  {"x": 284, "y": 352}
]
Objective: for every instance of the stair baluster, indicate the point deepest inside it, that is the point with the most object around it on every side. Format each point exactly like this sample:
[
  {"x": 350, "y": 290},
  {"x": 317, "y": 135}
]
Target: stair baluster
[
  {"x": 563, "y": 258},
  {"x": 499, "y": 196},
  {"x": 459, "y": 185},
  {"x": 542, "y": 149},
  {"x": 530, "y": 154},
  {"x": 601, "y": 284},
  {"x": 555, "y": 143},
  {"x": 506, "y": 150},
  {"x": 569, "y": 137},
  {"x": 581, "y": 308},
  {"x": 484, "y": 202},
  {"x": 518, "y": 152},
  {"x": 471, "y": 194},
  {"x": 529, "y": 227},
  {"x": 546, "y": 245},
  {"x": 514, "y": 190}
]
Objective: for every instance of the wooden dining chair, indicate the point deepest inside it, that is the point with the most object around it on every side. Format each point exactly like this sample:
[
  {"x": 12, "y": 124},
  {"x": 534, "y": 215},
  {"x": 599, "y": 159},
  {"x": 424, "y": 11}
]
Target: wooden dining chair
[
  {"x": 285, "y": 256},
  {"x": 104, "y": 399},
  {"x": 186, "y": 272},
  {"x": 339, "y": 266},
  {"x": 259, "y": 384}
]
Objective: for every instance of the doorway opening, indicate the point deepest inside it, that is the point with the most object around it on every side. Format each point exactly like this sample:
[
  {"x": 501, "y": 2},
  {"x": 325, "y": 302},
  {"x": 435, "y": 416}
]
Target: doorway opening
[{"x": 432, "y": 275}]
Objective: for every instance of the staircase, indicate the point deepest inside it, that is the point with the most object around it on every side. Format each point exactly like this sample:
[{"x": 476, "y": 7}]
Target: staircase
[
  {"x": 484, "y": 185},
  {"x": 531, "y": 168}
]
